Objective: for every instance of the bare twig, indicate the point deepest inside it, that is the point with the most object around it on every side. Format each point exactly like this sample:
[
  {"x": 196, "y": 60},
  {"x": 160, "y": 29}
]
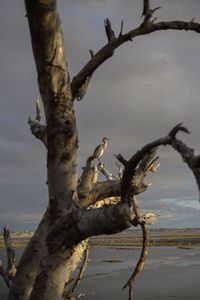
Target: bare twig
[
  {"x": 147, "y": 12},
  {"x": 105, "y": 172},
  {"x": 82, "y": 269},
  {"x": 91, "y": 53},
  {"x": 176, "y": 129},
  {"x": 109, "y": 31},
  {"x": 141, "y": 261},
  {"x": 121, "y": 30},
  {"x": 120, "y": 170},
  {"x": 121, "y": 159},
  {"x": 143, "y": 255},
  {"x": 148, "y": 26},
  {"x": 146, "y": 7},
  {"x": 38, "y": 130}
]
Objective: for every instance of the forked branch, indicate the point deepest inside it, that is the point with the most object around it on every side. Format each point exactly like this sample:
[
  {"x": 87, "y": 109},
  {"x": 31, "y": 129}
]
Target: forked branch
[
  {"x": 105, "y": 172},
  {"x": 170, "y": 139},
  {"x": 109, "y": 31},
  {"x": 147, "y": 11},
  {"x": 146, "y": 27}
]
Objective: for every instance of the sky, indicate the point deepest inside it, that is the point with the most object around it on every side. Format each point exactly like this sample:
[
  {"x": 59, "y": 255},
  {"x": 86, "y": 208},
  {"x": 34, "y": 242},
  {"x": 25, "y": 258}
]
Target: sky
[{"x": 138, "y": 95}]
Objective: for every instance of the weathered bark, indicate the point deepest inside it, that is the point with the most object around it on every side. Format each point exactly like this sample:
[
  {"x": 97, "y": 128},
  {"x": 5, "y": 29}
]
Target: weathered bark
[
  {"x": 56, "y": 271},
  {"x": 29, "y": 263},
  {"x": 57, "y": 246},
  {"x": 62, "y": 138},
  {"x": 53, "y": 80},
  {"x": 38, "y": 130}
]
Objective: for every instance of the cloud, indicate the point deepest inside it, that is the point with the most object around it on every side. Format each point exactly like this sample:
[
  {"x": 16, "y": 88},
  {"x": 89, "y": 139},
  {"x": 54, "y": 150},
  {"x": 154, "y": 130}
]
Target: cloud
[
  {"x": 138, "y": 95},
  {"x": 174, "y": 212}
]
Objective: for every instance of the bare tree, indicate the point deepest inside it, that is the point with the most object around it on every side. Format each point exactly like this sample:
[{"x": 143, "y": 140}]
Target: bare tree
[{"x": 75, "y": 205}]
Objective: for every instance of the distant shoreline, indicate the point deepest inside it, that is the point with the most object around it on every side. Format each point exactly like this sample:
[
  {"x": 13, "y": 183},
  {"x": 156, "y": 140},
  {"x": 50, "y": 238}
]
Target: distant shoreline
[
  {"x": 158, "y": 237},
  {"x": 131, "y": 238}
]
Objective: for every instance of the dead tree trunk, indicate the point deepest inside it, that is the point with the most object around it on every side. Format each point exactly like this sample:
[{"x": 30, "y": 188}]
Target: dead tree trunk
[{"x": 59, "y": 242}]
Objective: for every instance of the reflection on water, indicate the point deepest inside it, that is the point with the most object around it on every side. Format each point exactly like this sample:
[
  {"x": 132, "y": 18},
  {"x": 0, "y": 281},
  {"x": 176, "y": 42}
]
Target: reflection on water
[{"x": 169, "y": 273}]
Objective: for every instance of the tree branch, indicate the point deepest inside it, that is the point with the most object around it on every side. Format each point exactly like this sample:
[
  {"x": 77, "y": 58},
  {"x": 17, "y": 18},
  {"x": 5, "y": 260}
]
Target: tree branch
[
  {"x": 147, "y": 12},
  {"x": 48, "y": 50},
  {"x": 109, "y": 31},
  {"x": 54, "y": 86},
  {"x": 82, "y": 269},
  {"x": 89, "y": 178},
  {"x": 112, "y": 188},
  {"x": 106, "y": 201},
  {"x": 141, "y": 261},
  {"x": 37, "y": 129},
  {"x": 84, "y": 223},
  {"x": 108, "y": 50},
  {"x": 148, "y": 164},
  {"x": 9, "y": 273},
  {"x": 189, "y": 158},
  {"x": 86, "y": 182},
  {"x": 68, "y": 292},
  {"x": 105, "y": 172},
  {"x": 131, "y": 166},
  {"x": 144, "y": 251},
  {"x": 103, "y": 190}
]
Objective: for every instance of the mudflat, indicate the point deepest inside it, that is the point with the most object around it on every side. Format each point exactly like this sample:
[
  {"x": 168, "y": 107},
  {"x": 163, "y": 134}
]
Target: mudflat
[
  {"x": 159, "y": 237},
  {"x": 128, "y": 238},
  {"x": 169, "y": 273},
  {"x": 172, "y": 269}
]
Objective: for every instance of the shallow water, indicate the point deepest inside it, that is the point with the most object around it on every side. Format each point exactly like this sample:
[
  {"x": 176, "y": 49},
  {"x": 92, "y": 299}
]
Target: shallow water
[{"x": 170, "y": 273}]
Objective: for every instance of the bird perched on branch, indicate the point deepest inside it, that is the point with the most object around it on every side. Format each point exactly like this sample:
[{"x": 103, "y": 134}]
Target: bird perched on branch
[{"x": 99, "y": 150}]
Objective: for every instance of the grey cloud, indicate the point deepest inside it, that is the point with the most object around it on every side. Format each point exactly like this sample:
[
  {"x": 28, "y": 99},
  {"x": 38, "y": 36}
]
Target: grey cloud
[
  {"x": 137, "y": 96},
  {"x": 174, "y": 212}
]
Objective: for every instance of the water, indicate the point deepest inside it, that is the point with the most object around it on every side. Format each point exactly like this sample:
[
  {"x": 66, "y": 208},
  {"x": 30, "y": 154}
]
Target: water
[{"x": 169, "y": 273}]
